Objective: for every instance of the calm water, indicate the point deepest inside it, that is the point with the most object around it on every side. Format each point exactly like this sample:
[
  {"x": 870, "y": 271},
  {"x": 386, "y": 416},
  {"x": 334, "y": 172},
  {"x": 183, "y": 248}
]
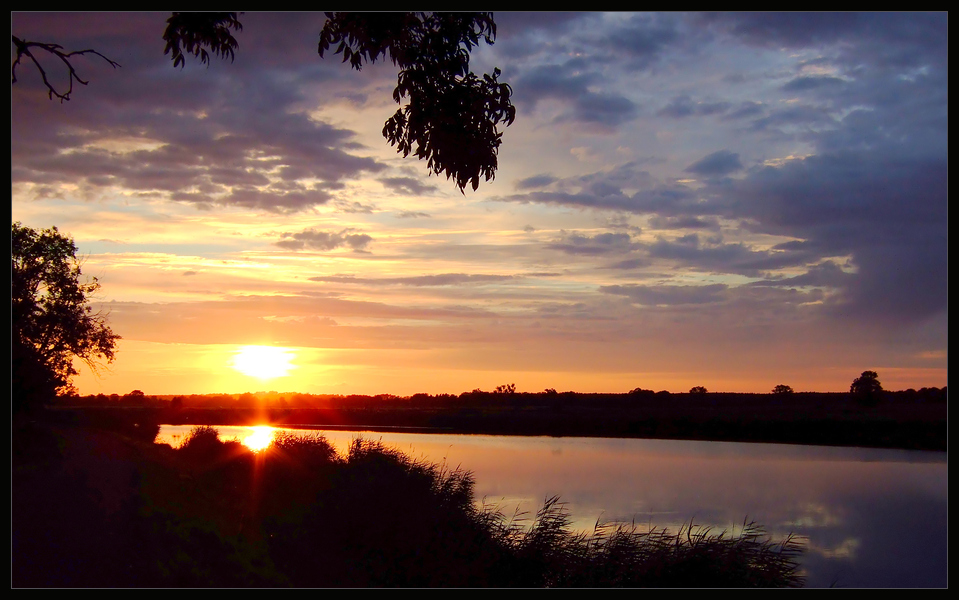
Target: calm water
[{"x": 871, "y": 518}]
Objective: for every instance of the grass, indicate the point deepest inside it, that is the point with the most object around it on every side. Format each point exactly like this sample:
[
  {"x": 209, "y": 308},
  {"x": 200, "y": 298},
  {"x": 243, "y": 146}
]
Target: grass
[{"x": 297, "y": 514}]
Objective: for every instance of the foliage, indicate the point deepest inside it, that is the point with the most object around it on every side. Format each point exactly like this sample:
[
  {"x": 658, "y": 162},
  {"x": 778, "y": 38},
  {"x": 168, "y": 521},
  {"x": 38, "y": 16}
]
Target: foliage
[
  {"x": 298, "y": 515},
  {"x": 197, "y": 31},
  {"x": 698, "y": 389},
  {"x": 782, "y": 389},
  {"x": 509, "y": 389},
  {"x": 452, "y": 115},
  {"x": 866, "y": 388},
  {"x": 52, "y": 320},
  {"x": 202, "y": 439}
]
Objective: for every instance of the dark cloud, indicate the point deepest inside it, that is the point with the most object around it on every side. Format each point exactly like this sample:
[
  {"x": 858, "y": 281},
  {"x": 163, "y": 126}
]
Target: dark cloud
[
  {"x": 642, "y": 39},
  {"x": 601, "y": 243},
  {"x": 669, "y": 200},
  {"x": 883, "y": 39},
  {"x": 669, "y": 294},
  {"x": 536, "y": 181},
  {"x": 712, "y": 255},
  {"x": 803, "y": 117},
  {"x": 745, "y": 110},
  {"x": 230, "y": 134},
  {"x": 827, "y": 274},
  {"x": 887, "y": 213},
  {"x": 573, "y": 88},
  {"x": 722, "y": 162},
  {"x": 630, "y": 263},
  {"x": 683, "y": 106},
  {"x": 685, "y": 222},
  {"x": 411, "y": 214},
  {"x": 354, "y": 207},
  {"x": 311, "y": 239},
  {"x": 443, "y": 279},
  {"x": 407, "y": 186},
  {"x": 808, "y": 82}
]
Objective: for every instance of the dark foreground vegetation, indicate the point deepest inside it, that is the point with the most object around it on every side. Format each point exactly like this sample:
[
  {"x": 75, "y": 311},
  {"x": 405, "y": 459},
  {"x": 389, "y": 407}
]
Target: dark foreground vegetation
[{"x": 98, "y": 504}]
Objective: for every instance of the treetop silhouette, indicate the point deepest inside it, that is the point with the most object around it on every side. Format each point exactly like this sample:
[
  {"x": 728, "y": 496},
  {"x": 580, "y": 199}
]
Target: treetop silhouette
[{"x": 52, "y": 321}]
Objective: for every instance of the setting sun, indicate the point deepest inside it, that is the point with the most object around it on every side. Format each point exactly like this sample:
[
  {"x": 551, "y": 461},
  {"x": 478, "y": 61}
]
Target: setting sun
[{"x": 263, "y": 362}]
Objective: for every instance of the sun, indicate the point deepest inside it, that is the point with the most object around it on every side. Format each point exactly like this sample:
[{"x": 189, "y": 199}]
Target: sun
[{"x": 263, "y": 362}]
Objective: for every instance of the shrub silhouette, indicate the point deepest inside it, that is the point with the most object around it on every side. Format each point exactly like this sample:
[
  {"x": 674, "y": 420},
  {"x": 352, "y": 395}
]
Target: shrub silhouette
[{"x": 214, "y": 513}]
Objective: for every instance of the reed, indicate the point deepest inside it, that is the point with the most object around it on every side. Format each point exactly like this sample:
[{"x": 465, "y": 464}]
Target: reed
[{"x": 213, "y": 513}]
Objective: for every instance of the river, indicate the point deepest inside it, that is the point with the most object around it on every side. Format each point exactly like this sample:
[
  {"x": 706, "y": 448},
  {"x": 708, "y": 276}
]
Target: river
[{"x": 868, "y": 517}]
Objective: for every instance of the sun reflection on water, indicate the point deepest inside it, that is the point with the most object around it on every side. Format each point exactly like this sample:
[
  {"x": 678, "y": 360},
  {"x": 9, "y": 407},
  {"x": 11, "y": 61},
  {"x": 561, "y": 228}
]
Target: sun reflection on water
[{"x": 260, "y": 437}]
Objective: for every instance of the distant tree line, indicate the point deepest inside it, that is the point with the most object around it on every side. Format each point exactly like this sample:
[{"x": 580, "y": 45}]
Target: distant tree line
[{"x": 502, "y": 396}]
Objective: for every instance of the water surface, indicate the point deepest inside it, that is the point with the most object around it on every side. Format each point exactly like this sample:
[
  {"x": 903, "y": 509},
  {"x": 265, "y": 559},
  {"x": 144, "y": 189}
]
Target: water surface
[{"x": 870, "y": 517}]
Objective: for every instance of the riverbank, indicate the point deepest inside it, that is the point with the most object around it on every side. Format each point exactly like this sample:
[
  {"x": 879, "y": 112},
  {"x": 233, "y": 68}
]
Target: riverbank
[
  {"x": 214, "y": 514},
  {"x": 811, "y": 419}
]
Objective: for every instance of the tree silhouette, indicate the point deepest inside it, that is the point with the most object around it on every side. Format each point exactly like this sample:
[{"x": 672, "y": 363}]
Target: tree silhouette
[
  {"x": 698, "y": 389},
  {"x": 198, "y": 31},
  {"x": 452, "y": 116},
  {"x": 782, "y": 389},
  {"x": 866, "y": 387},
  {"x": 52, "y": 321}
]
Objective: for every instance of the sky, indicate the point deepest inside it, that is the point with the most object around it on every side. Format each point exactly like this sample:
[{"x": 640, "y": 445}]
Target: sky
[{"x": 732, "y": 200}]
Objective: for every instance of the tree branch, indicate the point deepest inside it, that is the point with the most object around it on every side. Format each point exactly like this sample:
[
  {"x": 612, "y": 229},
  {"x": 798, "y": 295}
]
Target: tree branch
[{"x": 23, "y": 49}]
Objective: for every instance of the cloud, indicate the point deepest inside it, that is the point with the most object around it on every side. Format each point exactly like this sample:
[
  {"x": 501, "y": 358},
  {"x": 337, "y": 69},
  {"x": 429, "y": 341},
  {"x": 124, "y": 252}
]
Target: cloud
[
  {"x": 887, "y": 213},
  {"x": 722, "y": 162},
  {"x": 685, "y": 222},
  {"x": 669, "y": 294},
  {"x": 311, "y": 239},
  {"x": 536, "y": 181},
  {"x": 601, "y": 243},
  {"x": 354, "y": 207},
  {"x": 826, "y": 274},
  {"x": 574, "y": 89},
  {"x": 442, "y": 279},
  {"x": 809, "y": 82},
  {"x": 407, "y": 186},
  {"x": 683, "y": 106},
  {"x": 230, "y": 135}
]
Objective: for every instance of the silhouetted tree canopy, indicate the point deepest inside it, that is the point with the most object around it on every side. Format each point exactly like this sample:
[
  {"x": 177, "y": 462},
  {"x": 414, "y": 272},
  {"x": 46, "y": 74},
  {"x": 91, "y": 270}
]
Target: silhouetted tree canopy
[
  {"x": 52, "y": 321},
  {"x": 866, "y": 387},
  {"x": 697, "y": 389},
  {"x": 782, "y": 389},
  {"x": 451, "y": 117},
  {"x": 198, "y": 31}
]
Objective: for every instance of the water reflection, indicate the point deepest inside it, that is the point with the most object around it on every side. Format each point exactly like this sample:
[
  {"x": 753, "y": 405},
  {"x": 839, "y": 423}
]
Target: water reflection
[
  {"x": 259, "y": 438},
  {"x": 873, "y": 518}
]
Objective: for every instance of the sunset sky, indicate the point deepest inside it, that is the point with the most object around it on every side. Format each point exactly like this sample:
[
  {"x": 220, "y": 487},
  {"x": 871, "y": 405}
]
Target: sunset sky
[{"x": 728, "y": 200}]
